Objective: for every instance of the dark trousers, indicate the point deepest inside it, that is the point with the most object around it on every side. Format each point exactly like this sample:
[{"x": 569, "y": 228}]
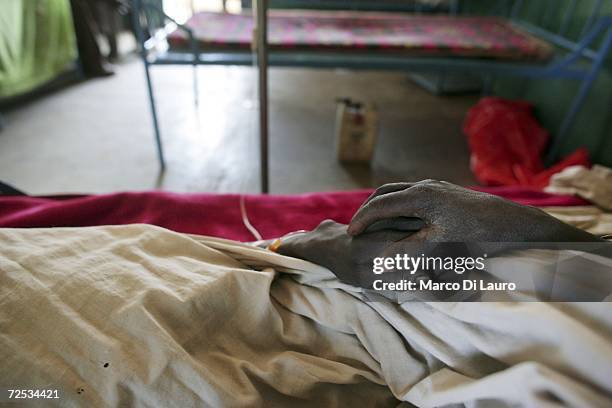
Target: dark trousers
[{"x": 92, "y": 18}]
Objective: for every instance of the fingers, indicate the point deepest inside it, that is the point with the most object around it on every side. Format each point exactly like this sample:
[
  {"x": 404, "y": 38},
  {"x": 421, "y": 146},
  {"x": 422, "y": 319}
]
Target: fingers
[
  {"x": 393, "y": 187},
  {"x": 395, "y": 204},
  {"x": 388, "y": 188},
  {"x": 397, "y": 200}
]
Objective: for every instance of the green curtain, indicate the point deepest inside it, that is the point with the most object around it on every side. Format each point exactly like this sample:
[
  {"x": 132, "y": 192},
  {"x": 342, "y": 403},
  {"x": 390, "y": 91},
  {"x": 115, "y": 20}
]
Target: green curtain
[{"x": 37, "y": 43}]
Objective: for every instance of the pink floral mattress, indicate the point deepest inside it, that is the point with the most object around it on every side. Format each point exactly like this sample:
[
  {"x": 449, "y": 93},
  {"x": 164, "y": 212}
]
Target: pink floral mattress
[{"x": 344, "y": 31}]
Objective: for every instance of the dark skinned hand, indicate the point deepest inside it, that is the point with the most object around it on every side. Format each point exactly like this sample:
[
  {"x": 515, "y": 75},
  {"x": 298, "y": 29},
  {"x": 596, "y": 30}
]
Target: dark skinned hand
[{"x": 437, "y": 212}]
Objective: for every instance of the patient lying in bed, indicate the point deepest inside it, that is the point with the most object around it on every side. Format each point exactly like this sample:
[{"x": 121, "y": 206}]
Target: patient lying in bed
[{"x": 141, "y": 316}]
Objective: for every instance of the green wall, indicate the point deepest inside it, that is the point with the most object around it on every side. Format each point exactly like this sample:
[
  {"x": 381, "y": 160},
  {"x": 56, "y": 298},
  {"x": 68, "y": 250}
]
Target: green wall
[{"x": 593, "y": 125}]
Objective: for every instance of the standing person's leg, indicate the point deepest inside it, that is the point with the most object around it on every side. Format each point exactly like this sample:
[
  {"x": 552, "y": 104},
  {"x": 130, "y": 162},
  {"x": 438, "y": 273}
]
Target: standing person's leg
[
  {"x": 92, "y": 62},
  {"x": 112, "y": 36},
  {"x": 106, "y": 14}
]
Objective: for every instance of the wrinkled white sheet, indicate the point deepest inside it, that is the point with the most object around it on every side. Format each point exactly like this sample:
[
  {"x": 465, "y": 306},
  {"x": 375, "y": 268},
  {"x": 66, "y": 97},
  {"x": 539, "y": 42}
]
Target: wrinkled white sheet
[
  {"x": 589, "y": 218},
  {"x": 142, "y": 316},
  {"x": 594, "y": 184}
]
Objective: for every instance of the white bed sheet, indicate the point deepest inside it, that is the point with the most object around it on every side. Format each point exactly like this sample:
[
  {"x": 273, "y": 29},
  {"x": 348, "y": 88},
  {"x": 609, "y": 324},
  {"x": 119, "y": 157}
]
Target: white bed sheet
[{"x": 142, "y": 316}]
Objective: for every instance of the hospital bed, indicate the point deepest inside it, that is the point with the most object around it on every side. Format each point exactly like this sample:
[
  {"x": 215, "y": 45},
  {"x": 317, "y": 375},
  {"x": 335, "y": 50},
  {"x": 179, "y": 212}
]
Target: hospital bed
[
  {"x": 502, "y": 42},
  {"x": 137, "y": 315}
]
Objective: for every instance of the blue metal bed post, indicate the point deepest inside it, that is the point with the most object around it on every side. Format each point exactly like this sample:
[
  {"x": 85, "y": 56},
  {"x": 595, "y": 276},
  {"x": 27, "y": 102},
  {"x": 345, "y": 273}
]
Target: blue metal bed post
[
  {"x": 587, "y": 83},
  {"x": 137, "y": 4}
]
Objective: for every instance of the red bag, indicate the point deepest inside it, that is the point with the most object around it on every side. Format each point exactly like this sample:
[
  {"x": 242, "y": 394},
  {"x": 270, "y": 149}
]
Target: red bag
[{"x": 506, "y": 144}]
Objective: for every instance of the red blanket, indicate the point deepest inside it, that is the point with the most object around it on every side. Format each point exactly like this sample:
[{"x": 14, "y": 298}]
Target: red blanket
[{"x": 213, "y": 214}]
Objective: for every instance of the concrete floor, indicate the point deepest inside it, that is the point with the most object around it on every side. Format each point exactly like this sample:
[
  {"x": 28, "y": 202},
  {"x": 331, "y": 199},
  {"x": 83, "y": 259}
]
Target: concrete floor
[{"x": 97, "y": 137}]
